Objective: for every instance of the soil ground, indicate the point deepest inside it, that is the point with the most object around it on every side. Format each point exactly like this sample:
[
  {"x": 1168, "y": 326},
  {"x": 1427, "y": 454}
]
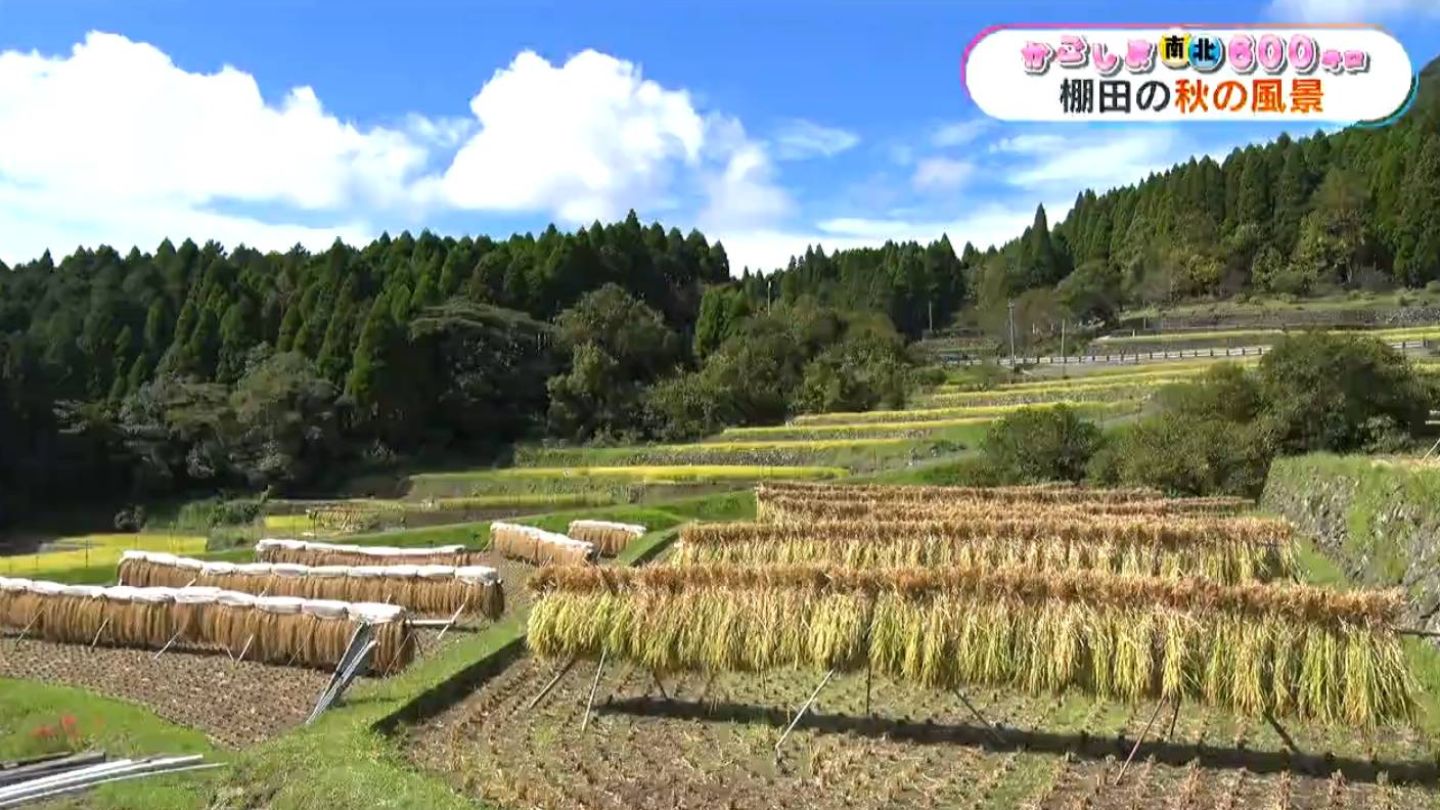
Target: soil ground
[{"x": 712, "y": 745}]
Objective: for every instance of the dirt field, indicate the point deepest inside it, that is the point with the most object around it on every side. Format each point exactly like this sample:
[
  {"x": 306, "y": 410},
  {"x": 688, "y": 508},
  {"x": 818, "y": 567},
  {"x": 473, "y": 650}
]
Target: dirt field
[{"x": 714, "y": 748}]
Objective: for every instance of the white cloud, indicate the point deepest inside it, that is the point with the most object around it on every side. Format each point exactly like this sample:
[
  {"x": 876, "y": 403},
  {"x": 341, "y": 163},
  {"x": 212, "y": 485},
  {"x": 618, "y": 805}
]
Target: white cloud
[
  {"x": 799, "y": 139},
  {"x": 585, "y": 140},
  {"x": 1346, "y": 10},
  {"x": 113, "y": 142},
  {"x": 118, "y": 121},
  {"x": 1097, "y": 159},
  {"x": 959, "y": 133},
  {"x": 939, "y": 173}
]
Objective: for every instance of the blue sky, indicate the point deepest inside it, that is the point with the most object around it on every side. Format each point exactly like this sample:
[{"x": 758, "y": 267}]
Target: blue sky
[{"x": 768, "y": 125}]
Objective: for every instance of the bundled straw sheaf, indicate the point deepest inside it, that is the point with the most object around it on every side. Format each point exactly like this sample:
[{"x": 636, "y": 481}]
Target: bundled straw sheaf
[
  {"x": 609, "y": 538},
  {"x": 1049, "y": 493},
  {"x": 305, "y": 552},
  {"x": 426, "y": 589},
  {"x": 1230, "y": 550},
  {"x": 272, "y": 629},
  {"x": 779, "y": 508},
  {"x": 1283, "y": 648},
  {"x": 539, "y": 547}
]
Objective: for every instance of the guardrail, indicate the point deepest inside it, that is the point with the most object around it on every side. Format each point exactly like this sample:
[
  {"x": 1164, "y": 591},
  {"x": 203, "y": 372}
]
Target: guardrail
[{"x": 1138, "y": 357}]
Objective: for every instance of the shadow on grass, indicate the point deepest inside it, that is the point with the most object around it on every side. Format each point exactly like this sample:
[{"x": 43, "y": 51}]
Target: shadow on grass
[{"x": 1086, "y": 746}]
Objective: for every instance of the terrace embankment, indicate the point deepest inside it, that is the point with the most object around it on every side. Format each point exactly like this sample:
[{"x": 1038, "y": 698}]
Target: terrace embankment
[{"x": 1378, "y": 518}]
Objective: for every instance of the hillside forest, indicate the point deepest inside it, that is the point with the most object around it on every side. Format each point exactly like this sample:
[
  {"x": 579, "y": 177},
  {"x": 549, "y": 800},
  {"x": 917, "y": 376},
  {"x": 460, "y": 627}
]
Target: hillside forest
[{"x": 177, "y": 367}]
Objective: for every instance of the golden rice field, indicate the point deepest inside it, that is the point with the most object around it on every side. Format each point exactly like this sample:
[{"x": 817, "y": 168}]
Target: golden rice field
[
  {"x": 650, "y": 474},
  {"x": 96, "y": 550},
  {"x": 957, "y": 415}
]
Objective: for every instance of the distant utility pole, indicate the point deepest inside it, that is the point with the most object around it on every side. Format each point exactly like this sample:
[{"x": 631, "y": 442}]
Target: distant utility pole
[{"x": 1011, "y": 308}]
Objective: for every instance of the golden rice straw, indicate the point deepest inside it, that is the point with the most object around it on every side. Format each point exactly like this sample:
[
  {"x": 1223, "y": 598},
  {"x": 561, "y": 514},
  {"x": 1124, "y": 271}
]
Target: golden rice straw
[
  {"x": 427, "y": 589},
  {"x": 610, "y": 538},
  {"x": 280, "y": 630},
  {"x": 539, "y": 547},
  {"x": 781, "y": 508},
  {"x": 1228, "y": 550},
  {"x": 303, "y": 552},
  {"x": 1057, "y": 493},
  {"x": 1320, "y": 654}
]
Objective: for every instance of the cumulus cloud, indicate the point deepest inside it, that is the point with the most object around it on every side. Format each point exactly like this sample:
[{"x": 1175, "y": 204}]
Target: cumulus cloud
[
  {"x": 583, "y": 140},
  {"x": 113, "y": 142},
  {"x": 942, "y": 174},
  {"x": 799, "y": 139},
  {"x": 1347, "y": 10},
  {"x": 117, "y": 120}
]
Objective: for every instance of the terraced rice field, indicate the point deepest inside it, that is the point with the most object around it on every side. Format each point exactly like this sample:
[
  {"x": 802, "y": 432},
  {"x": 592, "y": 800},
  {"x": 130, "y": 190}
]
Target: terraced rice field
[{"x": 91, "y": 550}]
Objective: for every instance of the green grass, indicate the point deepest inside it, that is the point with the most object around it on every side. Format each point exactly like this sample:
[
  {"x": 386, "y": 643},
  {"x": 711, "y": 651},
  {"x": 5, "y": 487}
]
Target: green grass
[
  {"x": 899, "y": 434},
  {"x": 115, "y": 726}
]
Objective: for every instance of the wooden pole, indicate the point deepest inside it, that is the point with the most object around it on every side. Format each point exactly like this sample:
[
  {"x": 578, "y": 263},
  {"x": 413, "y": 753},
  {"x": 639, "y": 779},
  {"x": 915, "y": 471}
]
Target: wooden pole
[
  {"x": 1289, "y": 742},
  {"x": 167, "y": 646},
  {"x": 659, "y": 685},
  {"x": 868, "y": 668},
  {"x": 453, "y": 619},
  {"x": 551, "y": 685},
  {"x": 245, "y": 649},
  {"x": 803, "y": 708},
  {"x": 103, "y": 625},
  {"x": 994, "y": 734},
  {"x": 1121, "y": 775},
  {"x": 595, "y": 684},
  {"x": 1170, "y": 733}
]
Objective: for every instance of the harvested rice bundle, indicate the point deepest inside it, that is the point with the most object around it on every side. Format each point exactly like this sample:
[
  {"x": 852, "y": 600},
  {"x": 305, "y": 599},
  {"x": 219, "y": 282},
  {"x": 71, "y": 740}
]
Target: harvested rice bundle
[
  {"x": 274, "y": 629},
  {"x": 305, "y": 552},
  {"x": 1230, "y": 550},
  {"x": 1053, "y": 492},
  {"x": 1283, "y": 648},
  {"x": 779, "y": 508},
  {"x": 18, "y": 604},
  {"x": 395, "y": 643},
  {"x": 539, "y": 547},
  {"x": 430, "y": 589},
  {"x": 609, "y": 538}
]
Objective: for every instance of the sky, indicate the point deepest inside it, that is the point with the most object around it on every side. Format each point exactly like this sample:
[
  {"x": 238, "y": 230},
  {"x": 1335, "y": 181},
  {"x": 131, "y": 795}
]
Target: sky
[{"x": 768, "y": 125}]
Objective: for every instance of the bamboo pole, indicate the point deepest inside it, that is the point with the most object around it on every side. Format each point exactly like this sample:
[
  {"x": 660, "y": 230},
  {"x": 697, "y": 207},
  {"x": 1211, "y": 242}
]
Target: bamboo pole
[{"x": 803, "y": 708}]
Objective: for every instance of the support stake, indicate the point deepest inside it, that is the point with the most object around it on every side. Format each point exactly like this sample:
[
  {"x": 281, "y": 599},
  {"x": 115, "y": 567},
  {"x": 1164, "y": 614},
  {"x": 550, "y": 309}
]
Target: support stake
[
  {"x": 167, "y": 646},
  {"x": 990, "y": 727},
  {"x": 103, "y": 625},
  {"x": 659, "y": 685},
  {"x": 454, "y": 618},
  {"x": 245, "y": 649},
  {"x": 595, "y": 684},
  {"x": 37, "y": 618},
  {"x": 868, "y": 668},
  {"x": 1173, "y": 718},
  {"x": 803, "y": 708},
  {"x": 1289, "y": 742},
  {"x": 551, "y": 685},
  {"x": 1121, "y": 775}
]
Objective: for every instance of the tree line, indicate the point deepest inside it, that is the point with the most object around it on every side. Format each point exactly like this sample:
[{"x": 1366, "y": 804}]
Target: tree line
[{"x": 200, "y": 367}]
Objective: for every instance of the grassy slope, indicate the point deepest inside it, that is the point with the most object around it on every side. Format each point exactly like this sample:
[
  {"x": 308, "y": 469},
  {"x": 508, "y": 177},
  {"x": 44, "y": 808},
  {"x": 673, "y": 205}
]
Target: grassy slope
[{"x": 114, "y": 726}]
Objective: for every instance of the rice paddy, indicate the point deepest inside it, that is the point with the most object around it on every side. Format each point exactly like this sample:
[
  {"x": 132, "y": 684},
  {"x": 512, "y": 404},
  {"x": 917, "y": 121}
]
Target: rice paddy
[{"x": 92, "y": 550}]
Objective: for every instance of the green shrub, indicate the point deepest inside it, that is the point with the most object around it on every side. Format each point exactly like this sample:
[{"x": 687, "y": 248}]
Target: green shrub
[
  {"x": 1184, "y": 455},
  {"x": 1040, "y": 444},
  {"x": 1339, "y": 392}
]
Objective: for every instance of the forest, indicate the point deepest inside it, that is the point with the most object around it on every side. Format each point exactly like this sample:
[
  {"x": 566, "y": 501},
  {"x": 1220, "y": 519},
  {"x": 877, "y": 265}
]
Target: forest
[{"x": 206, "y": 366}]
